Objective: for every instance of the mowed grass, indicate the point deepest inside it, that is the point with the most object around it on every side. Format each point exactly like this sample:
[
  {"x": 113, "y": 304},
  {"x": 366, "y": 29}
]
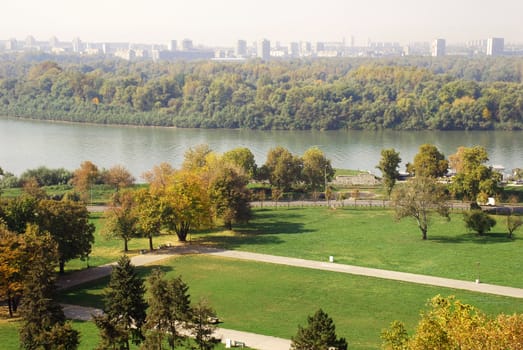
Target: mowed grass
[
  {"x": 371, "y": 237},
  {"x": 272, "y": 299}
]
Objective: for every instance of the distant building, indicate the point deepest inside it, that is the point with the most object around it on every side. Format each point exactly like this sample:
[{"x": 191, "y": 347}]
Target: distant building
[
  {"x": 294, "y": 49},
  {"x": 77, "y": 45},
  {"x": 30, "y": 42},
  {"x": 11, "y": 45},
  {"x": 54, "y": 42},
  {"x": 264, "y": 49},
  {"x": 495, "y": 46},
  {"x": 438, "y": 48},
  {"x": 187, "y": 45},
  {"x": 241, "y": 48},
  {"x": 172, "y": 45}
]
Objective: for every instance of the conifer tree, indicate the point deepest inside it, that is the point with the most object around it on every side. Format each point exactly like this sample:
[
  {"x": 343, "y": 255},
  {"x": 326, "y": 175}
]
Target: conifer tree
[
  {"x": 320, "y": 334},
  {"x": 124, "y": 310}
]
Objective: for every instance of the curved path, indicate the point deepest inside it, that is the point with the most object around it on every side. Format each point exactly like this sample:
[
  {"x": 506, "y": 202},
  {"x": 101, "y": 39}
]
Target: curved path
[{"x": 255, "y": 340}]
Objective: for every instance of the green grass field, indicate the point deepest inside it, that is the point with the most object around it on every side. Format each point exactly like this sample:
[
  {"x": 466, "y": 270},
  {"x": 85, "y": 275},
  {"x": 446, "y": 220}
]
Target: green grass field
[
  {"x": 271, "y": 299},
  {"x": 371, "y": 237}
]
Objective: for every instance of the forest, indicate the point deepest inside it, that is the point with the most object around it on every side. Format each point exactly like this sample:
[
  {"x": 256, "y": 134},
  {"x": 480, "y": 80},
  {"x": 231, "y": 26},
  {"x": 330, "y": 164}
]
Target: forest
[{"x": 409, "y": 93}]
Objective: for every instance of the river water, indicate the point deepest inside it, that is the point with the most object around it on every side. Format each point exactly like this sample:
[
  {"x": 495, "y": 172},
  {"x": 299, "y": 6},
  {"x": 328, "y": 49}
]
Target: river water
[{"x": 28, "y": 144}]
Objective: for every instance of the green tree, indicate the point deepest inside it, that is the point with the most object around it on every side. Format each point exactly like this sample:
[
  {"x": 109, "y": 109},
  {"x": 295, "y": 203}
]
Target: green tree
[
  {"x": 283, "y": 168},
  {"x": 429, "y": 162},
  {"x": 124, "y": 308},
  {"x": 320, "y": 334},
  {"x": 169, "y": 310},
  {"x": 201, "y": 326},
  {"x": 230, "y": 197},
  {"x": 418, "y": 199},
  {"x": 317, "y": 169},
  {"x": 195, "y": 158},
  {"x": 12, "y": 262},
  {"x": 395, "y": 337},
  {"x": 43, "y": 325},
  {"x": 243, "y": 158},
  {"x": 18, "y": 212},
  {"x": 388, "y": 165},
  {"x": 148, "y": 210},
  {"x": 479, "y": 221},
  {"x": 68, "y": 223},
  {"x": 513, "y": 223},
  {"x": 121, "y": 220}
]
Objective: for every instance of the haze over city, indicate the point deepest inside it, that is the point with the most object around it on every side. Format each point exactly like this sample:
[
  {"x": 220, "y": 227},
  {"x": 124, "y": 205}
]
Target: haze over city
[{"x": 223, "y": 22}]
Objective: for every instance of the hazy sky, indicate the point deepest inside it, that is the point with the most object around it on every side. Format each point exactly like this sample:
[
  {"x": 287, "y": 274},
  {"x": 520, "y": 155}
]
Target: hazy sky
[{"x": 223, "y": 22}]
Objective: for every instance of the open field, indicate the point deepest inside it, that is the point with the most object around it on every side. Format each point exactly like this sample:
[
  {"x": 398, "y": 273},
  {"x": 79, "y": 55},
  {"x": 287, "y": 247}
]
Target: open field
[
  {"x": 372, "y": 238},
  {"x": 272, "y": 299}
]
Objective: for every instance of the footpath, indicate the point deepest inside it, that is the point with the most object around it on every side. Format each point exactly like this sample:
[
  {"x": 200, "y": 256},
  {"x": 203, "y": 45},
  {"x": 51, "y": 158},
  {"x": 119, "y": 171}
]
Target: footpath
[{"x": 258, "y": 341}]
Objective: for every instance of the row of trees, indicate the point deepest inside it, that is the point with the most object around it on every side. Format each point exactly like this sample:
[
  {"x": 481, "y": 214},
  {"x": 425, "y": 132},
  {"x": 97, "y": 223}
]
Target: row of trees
[{"x": 323, "y": 94}]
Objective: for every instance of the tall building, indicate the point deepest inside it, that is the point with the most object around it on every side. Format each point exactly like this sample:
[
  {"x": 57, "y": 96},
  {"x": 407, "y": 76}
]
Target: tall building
[
  {"x": 77, "y": 45},
  {"x": 172, "y": 45},
  {"x": 241, "y": 48},
  {"x": 438, "y": 48},
  {"x": 187, "y": 45},
  {"x": 264, "y": 49},
  {"x": 495, "y": 46},
  {"x": 294, "y": 49}
]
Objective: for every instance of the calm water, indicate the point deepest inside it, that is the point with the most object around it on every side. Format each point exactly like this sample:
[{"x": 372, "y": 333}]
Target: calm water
[{"x": 29, "y": 144}]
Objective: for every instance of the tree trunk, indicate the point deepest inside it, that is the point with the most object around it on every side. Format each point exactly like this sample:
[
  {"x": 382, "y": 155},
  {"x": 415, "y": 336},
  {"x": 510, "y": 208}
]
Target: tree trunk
[
  {"x": 125, "y": 247},
  {"x": 424, "y": 233},
  {"x": 10, "y": 304},
  {"x": 62, "y": 266},
  {"x": 151, "y": 243}
]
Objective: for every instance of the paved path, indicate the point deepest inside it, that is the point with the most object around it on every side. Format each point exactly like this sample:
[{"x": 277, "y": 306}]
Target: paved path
[{"x": 252, "y": 340}]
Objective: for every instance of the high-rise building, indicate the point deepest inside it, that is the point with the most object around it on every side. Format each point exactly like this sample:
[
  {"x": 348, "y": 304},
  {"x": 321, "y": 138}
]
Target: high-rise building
[
  {"x": 30, "y": 42},
  {"x": 11, "y": 44},
  {"x": 77, "y": 45},
  {"x": 54, "y": 42},
  {"x": 495, "y": 46},
  {"x": 438, "y": 48},
  {"x": 172, "y": 45},
  {"x": 187, "y": 45},
  {"x": 294, "y": 49},
  {"x": 264, "y": 49},
  {"x": 241, "y": 48}
]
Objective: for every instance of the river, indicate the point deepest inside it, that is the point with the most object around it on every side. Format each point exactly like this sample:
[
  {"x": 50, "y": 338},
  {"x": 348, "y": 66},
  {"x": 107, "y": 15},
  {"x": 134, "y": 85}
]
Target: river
[{"x": 26, "y": 144}]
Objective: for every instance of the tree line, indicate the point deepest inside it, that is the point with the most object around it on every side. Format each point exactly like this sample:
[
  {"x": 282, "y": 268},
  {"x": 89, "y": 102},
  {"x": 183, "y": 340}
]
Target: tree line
[{"x": 404, "y": 93}]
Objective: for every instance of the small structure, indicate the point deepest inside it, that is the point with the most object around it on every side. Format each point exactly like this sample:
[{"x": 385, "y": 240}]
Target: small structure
[{"x": 363, "y": 179}]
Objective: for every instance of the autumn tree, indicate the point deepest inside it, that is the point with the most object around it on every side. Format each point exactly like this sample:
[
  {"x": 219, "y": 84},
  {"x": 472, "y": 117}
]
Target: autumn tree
[
  {"x": 148, "y": 210},
  {"x": 283, "y": 169},
  {"x": 186, "y": 204},
  {"x": 12, "y": 262},
  {"x": 319, "y": 334},
  {"x": 419, "y": 198},
  {"x": 85, "y": 177},
  {"x": 243, "y": 158},
  {"x": 158, "y": 176},
  {"x": 118, "y": 177},
  {"x": 479, "y": 221},
  {"x": 429, "y": 162},
  {"x": 18, "y": 212},
  {"x": 43, "y": 320},
  {"x": 121, "y": 219},
  {"x": 124, "y": 308},
  {"x": 68, "y": 223},
  {"x": 388, "y": 165},
  {"x": 317, "y": 170},
  {"x": 169, "y": 309},
  {"x": 195, "y": 157}
]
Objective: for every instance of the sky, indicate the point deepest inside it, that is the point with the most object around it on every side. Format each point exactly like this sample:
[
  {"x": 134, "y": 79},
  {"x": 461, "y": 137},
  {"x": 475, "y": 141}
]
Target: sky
[{"x": 223, "y": 22}]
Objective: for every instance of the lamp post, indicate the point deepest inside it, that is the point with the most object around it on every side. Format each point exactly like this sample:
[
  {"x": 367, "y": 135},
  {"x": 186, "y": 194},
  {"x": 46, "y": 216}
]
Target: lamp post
[{"x": 477, "y": 266}]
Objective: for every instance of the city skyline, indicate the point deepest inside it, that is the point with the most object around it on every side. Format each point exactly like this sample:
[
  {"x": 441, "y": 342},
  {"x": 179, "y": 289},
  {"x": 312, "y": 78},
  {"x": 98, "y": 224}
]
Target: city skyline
[{"x": 222, "y": 23}]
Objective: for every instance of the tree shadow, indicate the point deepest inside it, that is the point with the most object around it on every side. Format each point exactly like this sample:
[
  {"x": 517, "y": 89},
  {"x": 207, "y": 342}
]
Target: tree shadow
[{"x": 487, "y": 238}]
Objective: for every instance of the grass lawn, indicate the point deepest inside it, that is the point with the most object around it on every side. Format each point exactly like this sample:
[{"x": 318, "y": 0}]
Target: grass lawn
[
  {"x": 272, "y": 299},
  {"x": 371, "y": 237}
]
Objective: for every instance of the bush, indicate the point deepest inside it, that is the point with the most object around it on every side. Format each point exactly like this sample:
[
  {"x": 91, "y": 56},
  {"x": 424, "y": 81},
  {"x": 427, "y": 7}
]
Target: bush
[{"x": 479, "y": 221}]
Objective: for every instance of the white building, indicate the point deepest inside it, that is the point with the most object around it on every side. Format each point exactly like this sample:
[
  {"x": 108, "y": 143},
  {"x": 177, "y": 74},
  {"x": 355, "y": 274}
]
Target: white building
[
  {"x": 438, "y": 48},
  {"x": 495, "y": 46},
  {"x": 264, "y": 49}
]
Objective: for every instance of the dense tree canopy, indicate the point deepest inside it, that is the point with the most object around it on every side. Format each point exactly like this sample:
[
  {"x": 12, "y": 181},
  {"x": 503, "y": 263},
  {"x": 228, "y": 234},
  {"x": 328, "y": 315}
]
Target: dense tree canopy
[
  {"x": 389, "y": 163},
  {"x": 400, "y": 93}
]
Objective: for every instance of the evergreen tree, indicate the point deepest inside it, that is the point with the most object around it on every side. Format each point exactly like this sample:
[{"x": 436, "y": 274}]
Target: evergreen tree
[
  {"x": 124, "y": 310},
  {"x": 169, "y": 310},
  {"x": 201, "y": 326},
  {"x": 320, "y": 334},
  {"x": 43, "y": 325}
]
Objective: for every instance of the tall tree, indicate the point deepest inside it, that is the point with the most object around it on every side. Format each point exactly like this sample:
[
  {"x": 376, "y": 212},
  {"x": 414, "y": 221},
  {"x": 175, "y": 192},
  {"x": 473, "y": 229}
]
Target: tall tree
[
  {"x": 169, "y": 309},
  {"x": 388, "y": 165},
  {"x": 320, "y": 334},
  {"x": 201, "y": 326},
  {"x": 148, "y": 209},
  {"x": 195, "y": 157},
  {"x": 243, "y": 158},
  {"x": 419, "y": 198},
  {"x": 121, "y": 219},
  {"x": 12, "y": 262},
  {"x": 158, "y": 176},
  {"x": 317, "y": 170},
  {"x": 186, "y": 204},
  {"x": 429, "y": 162},
  {"x": 124, "y": 308},
  {"x": 68, "y": 223},
  {"x": 43, "y": 325},
  {"x": 119, "y": 177},
  {"x": 84, "y": 178},
  {"x": 283, "y": 168}
]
